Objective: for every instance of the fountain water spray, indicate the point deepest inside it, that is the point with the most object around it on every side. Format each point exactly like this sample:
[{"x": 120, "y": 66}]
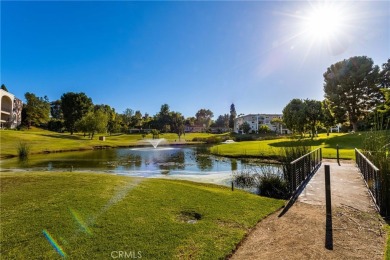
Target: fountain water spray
[{"x": 155, "y": 142}]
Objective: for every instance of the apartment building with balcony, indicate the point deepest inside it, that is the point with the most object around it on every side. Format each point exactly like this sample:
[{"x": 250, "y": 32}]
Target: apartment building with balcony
[
  {"x": 255, "y": 121},
  {"x": 11, "y": 110}
]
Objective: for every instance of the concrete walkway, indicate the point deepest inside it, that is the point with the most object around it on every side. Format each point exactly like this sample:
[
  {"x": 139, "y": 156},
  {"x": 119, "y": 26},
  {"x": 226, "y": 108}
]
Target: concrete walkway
[
  {"x": 347, "y": 187},
  {"x": 301, "y": 233}
]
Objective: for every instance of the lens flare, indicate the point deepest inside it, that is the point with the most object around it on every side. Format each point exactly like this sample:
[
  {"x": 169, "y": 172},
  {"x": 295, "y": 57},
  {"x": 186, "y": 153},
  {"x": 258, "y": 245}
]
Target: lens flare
[
  {"x": 80, "y": 221},
  {"x": 54, "y": 243}
]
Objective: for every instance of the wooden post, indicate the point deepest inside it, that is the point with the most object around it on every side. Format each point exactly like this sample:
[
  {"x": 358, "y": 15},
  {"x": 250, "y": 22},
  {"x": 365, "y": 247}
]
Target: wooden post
[
  {"x": 329, "y": 228},
  {"x": 232, "y": 186},
  {"x": 338, "y": 155}
]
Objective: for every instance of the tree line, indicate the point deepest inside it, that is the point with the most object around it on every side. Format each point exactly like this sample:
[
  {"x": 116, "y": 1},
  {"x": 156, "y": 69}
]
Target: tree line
[
  {"x": 75, "y": 112},
  {"x": 357, "y": 95}
]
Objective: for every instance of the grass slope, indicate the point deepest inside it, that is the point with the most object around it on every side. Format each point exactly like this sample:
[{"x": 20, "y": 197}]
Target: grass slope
[
  {"x": 94, "y": 216},
  {"x": 47, "y": 141},
  {"x": 273, "y": 148}
]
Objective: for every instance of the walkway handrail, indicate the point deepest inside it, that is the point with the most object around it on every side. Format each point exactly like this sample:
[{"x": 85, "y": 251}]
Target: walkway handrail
[
  {"x": 303, "y": 167},
  {"x": 365, "y": 158},
  {"x": 300, "y": 158},
  {"x": 299, "y": 172},
  {"x": 371, "y": 178}
]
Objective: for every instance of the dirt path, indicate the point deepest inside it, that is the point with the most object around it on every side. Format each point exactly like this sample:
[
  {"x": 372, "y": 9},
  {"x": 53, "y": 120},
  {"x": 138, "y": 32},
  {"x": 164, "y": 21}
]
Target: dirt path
[{"x": 300, "y": 233}]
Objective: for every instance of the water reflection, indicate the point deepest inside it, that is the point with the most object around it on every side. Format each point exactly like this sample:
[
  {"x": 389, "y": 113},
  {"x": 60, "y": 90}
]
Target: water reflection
[{"x": 193, "y": 163}]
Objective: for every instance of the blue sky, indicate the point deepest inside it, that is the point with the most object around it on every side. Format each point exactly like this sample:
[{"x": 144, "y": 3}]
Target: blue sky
[{"x": 191, "y": 55}]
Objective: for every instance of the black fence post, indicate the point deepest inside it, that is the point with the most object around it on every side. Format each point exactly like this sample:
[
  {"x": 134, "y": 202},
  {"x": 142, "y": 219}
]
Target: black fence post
[
  {"x": 338, "y": 154},
  {"x": 329, "y": 228}
]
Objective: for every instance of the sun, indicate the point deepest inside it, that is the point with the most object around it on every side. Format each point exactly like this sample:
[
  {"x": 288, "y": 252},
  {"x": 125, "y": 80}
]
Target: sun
[{"x": 323, "y": 22}]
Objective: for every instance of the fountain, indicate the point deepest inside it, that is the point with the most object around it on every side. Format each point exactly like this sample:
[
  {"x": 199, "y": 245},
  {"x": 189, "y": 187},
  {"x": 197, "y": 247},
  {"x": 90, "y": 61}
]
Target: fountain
[
  {"x": 155, "y": 142},
  {"x": 155, "y": 145}
]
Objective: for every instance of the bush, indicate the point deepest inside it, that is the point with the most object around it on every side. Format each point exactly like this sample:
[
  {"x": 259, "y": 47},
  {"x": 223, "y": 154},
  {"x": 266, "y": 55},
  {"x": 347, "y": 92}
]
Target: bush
[
  {"x": 23, "y": 150},
  {"x": 211, "y": 139},
  {"x": 245, "y": 179},
  {"x": 273, "y": 186},
  {"x": 245, "y": 137},
  {"x": 268, "y": 180},
  {"x": 56, "y": 125}
]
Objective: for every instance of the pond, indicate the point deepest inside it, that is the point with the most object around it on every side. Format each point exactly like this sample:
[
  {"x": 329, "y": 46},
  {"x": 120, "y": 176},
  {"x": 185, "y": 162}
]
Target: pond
[{"x": 193, "y": 163}]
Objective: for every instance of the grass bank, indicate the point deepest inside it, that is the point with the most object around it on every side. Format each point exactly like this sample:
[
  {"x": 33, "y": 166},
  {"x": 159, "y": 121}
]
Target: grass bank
[
  {"x": 95, "y": 216},
  {"x": 273, "y": 148},
  {"x": 41, "y": 141}
]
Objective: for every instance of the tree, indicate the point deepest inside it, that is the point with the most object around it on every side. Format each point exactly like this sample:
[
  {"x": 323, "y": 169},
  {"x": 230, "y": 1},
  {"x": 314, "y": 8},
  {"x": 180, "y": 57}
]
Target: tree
[
  {"x": 328, "y": 120},
  {"x": 3, "y": 87},
  {"x": 126, "y": 117},
  {"x": 163, "y": 119},
  {"x": 233, "y": 115},
  {"x": 146, "y": 121},
  {"x": 136, "y": 120},
  {"x": 294, "y": 116},
  {"x": 351, "y": 88},
  {"x": 264, "y": 129},
  {"x": 74, "y": 106},
  {"x": 37, "y": 110},
  {"x": 55, "y": 109},
  {"x": 177, "y": 123},
  {"x": 190, "y": 121},
  {"x": 223, "y": 121},
  {"x": 245, "y": 127},
  {"x": 93, "y": 122},
  {"x": 384, "y": 75},
  {"x": 313, "y": 114},
  {"x": 155, "y": 133},
  {"x": 278, "y": 122},
  {"x": 203, "y": 117},
  {"x": 113, "y": 121}
]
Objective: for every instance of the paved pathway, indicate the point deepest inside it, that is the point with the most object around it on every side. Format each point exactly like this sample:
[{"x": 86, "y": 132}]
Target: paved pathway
[
  {"x": 300, "y": 232},
  {"x": 347, "y": 187}
]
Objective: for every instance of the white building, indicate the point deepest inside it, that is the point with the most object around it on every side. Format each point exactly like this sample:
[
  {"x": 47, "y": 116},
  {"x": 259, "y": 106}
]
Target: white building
[
  {"x": 255, "y": 121},
  {"x": 11, "y": 110}
]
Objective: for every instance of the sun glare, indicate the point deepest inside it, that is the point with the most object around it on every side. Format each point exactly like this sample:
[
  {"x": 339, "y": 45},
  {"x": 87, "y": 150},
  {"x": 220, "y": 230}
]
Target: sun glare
[
  {"x": 323, "y": 22},
  {"x": 323, "y": 26}
]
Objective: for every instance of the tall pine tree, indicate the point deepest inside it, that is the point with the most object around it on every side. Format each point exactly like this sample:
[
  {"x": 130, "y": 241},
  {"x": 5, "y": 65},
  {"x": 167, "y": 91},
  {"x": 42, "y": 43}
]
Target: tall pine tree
[{"x": 233, "y": 115}]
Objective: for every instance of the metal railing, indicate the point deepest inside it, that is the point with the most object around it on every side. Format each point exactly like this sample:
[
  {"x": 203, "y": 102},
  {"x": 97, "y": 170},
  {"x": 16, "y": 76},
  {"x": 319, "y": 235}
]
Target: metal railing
[
  {"x": 304, "y": 167},
  {"x": 371, "y": 177}
]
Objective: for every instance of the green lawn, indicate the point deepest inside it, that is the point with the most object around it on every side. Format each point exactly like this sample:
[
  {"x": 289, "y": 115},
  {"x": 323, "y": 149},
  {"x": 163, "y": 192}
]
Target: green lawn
[
  {"x": 272, "y": 148},
  {"x": 94, "y": 216},
  {"x": 47, "y": 141}
]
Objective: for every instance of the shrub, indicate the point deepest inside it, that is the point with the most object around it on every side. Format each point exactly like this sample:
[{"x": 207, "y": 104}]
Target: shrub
[
  {"x": 211, "y": 139},
  {"x": 23, "y": 150},
  {"x": 56, "y": 125},
  {"x": 267, "y": 179},
  {"x": 245, "y": 179},
  {"x": 245, "y": 137},
  {"x": 273, "y": 186}
]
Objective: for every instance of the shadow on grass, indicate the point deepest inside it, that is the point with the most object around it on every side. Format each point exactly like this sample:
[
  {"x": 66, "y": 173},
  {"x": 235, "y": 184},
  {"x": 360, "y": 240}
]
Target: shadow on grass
[
  {"x": 344, "y": 141},
  {"x": 62, "y": 136}
]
